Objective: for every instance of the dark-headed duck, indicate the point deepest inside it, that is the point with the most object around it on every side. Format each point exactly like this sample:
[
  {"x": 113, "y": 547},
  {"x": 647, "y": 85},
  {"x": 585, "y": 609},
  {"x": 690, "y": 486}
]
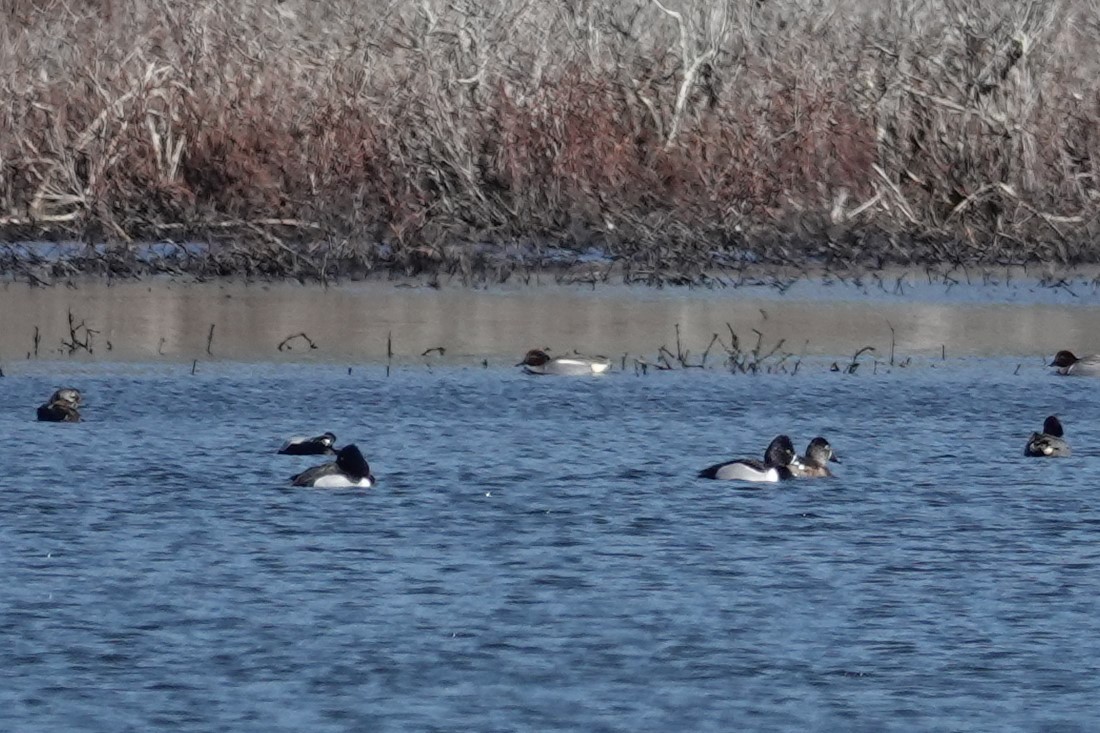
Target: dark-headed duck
[
  {"x": 776, "y": 465},
  {"x": 1048, "y": 443},
  {"x": 349, "y": 471},
  {"x": 539, "y": 362}
]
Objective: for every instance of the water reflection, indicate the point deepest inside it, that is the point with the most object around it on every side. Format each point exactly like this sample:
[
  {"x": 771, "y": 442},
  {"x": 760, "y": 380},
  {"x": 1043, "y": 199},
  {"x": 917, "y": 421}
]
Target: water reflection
[{"x": 142, "y": 321}]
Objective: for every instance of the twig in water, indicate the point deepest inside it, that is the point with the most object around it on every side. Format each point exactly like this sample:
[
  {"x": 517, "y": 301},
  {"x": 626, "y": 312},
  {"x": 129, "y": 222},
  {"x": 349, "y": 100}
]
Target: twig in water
[
  {"x": 210, "y": 340},
  {"x": 706, "y": 353},
  {"x": 798, "y": 362},
  {"x": 854, "y": 364},
  {"x": 389, "y": 351},
  {"x": 194, "y": 366},
  {"x": 160, "y": 347},
  {"x": 74, "y": 341},
  {"x": 284, "y": 345},
  {"x": 892, "y": 341},
  {"x": 442, "y": 350},
  {"x": 37, "y": 340}
]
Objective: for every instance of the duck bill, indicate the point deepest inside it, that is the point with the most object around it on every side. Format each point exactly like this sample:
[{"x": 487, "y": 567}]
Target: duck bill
[{"x": 834, "y": 458}]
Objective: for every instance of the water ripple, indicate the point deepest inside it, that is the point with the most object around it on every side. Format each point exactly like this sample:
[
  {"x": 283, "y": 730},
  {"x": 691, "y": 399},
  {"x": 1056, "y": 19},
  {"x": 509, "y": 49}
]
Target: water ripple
[{"x": 540, "y": 555}]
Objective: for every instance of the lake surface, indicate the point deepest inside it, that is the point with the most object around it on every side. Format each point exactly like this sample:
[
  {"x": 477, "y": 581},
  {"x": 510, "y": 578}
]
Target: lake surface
[{"x": 539, "y": 555}]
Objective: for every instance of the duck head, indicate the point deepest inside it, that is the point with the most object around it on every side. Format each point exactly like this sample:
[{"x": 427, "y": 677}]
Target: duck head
[
  {"x": 780, "y": 452},
  {"x": 66, "y": 395},
  {"x": 820, "y": 452},
  {"x": 349, "y": 459},
  {"x": 1064, "y": 359},
  {"x": 1053, "y": 426},
  {"x": 535, "y": 358}
]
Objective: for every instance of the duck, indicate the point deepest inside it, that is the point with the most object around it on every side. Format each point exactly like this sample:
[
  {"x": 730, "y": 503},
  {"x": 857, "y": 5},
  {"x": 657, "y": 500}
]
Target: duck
[
  {"x": 349, "y": 471},
  {"x": 776, "y": 465},
  {"x": 538, "y": 361},
  {"x": 1070, "y": 365},
  {"x": 814, "y": 464},
  {"x": 61, "y": 406},
  {"x": 1048, "y": 443},
  {"x": 318, "y": 446}
]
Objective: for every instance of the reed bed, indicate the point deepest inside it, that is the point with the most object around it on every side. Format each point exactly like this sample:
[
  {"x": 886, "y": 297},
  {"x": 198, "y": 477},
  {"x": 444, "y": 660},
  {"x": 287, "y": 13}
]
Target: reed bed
[{"x": 683, "y": 141}]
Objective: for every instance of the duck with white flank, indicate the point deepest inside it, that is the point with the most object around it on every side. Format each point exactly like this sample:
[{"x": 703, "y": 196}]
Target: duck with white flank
[
  {"x": 1070, "y": 365},
  {"x": 349, "y": 471},
  {"x": 538, "y": 361},
  {"x": 776, "y": 465}
]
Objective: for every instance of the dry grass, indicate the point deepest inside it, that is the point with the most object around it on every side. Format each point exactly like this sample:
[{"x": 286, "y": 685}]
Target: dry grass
[{"x": 309, "y": 137}]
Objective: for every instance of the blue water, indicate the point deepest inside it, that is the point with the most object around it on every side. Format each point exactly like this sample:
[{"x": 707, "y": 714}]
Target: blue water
[{"x": 540, "y": 556}]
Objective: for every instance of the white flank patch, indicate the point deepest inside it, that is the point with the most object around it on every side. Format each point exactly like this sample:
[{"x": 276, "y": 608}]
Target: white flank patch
[
  {"x": 340, "y": 481},
  {"x": 582, "y": 365},
  {"x": 742, "y": 472}
]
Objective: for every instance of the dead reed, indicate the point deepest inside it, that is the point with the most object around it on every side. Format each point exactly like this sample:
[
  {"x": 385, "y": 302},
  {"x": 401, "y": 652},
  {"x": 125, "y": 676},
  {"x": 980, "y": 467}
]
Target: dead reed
[
  {"x": 685, "y": 140},
  {"x": 739, "y": 359}
]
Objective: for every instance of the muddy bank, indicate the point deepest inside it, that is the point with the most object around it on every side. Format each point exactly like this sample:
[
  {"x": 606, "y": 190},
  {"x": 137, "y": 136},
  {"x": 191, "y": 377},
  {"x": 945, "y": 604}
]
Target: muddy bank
[
  {"x": 370, "y": 322},
  {"x": 324, "y": 139}
]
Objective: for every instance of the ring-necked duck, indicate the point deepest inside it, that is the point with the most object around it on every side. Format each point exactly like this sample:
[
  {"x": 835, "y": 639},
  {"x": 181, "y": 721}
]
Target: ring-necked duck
[
  {"x": 349, "y": 471},
  {"x": 61, "y": 407},
  {"x": 539, "y": 362},
  {"x": 319, "y": 446},
  {"x": 1070, "y": 365},
  {"x": 776, "y": 465},
  {"x": 1049, "y": 442},
  {"x": 815, "y": 463}
]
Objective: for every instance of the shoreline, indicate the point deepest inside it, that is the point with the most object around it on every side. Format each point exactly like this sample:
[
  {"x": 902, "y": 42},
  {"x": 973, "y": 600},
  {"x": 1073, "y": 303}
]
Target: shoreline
[{"x": 49, "y": 264}]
